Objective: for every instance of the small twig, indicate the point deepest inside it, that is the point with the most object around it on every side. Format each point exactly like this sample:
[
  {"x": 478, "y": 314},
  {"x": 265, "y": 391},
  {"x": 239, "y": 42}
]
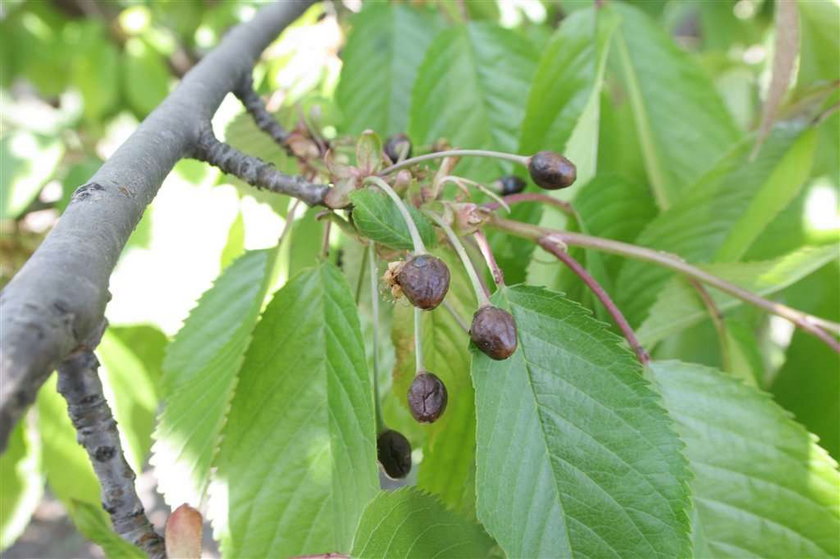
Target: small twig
[
  {"x": 512, "y": 199},
  {"x": 79, "y": 384},
  {"x": 487, "y": 253},
  {"x": 521, "y": 159},
  {"x": 255, "y": 171},
  {"x": 717, "y": 321},
  {"x": 262, "y": 118},
  {"x": 561, "y": 254},
  {"x": 809, "y": 323}
]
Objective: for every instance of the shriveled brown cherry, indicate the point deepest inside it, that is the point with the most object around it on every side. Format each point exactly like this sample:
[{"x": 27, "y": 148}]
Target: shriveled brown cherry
[
  {"x": 397, "y": 145},
  {"x": 493, "y": 331},
  {"x": 510, "y": 184},
  {"x": 427, "y": 397},
  {"x": 424, "y": 280},
  {"x": 394, "y": 453},
  {"x": 551, "y": 170}
]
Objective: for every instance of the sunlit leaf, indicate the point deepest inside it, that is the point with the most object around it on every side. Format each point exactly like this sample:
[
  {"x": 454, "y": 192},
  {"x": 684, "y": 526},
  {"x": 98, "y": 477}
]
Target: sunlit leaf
[
  {"x": 29, "y": 160},
  {"x": 200, "y": 371},
  {"x": 95, "y": 525},
  {"x": 22, "y": 482},
  {"x": 298, "y": 461},
  {"x": 575, "y": 456},
  {"x": 761, "y": 486}
]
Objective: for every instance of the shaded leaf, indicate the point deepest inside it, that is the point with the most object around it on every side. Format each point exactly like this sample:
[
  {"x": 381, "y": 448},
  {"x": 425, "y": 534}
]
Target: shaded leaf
[
  {"x": 471, "y": 90},
  {"x": 384, "y": 49},
  {"x": 574, "y": 455},
  {"x": 677, "y": 305},
  {"x": 29, "y": 161},
  {"x": 762, "y": 487},
  {"x": 408, "y": 523},
  {"x": 378, "y": 218},
  {"x": 681, "y": 122},
  {"x": 714, "y": 210},
  {"x": 145, "y": 77},
  {"x": 297, "y": 463},
  {"x": 200, "y": 371}
]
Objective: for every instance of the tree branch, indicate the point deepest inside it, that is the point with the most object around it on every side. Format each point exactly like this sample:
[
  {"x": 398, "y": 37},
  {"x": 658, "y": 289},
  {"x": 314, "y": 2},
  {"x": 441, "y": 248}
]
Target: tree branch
[
  {"x": 254, "y": 170},
  {"x": 256, "y": 108},
  {"x": 78, "y": 382},
  {"x": 814, "y": 325},
  {"x": 58, "y": 298}
]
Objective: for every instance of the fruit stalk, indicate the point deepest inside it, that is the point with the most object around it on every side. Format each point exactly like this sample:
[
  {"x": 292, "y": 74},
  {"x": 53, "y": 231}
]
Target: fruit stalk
[
  {"x": 480, "y": 294},
  {"x": 520, "y": 159},
  {"x": 370, "y": 254}
]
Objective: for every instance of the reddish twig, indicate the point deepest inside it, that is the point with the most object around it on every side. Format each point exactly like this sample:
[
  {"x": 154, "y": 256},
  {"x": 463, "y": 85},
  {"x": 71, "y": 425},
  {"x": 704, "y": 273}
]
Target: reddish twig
[
  {"x": 512, "y": 199},
  {"x": 487, "y": 253},
  {"x": 559, "y": 251},
  {"x": 717, "y": 321}
]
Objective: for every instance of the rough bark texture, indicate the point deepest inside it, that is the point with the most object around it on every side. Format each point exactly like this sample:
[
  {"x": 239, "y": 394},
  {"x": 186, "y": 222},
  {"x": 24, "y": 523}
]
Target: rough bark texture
[
  {"x": 96, "y": 430},
  {"x": 59, "y": 296},
  {"x": 264, "y": 120},
  {"x": 255, "y": 171}
]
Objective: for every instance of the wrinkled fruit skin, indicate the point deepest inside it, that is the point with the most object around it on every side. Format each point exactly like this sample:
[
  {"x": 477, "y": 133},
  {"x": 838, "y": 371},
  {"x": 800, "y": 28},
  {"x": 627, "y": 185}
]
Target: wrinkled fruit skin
[
  {"x": 427, "y": 397},
  {"x": 511, "y": 184},
  {"x": 394, "y": 453},
  {"x": 424, "y": 280},
  {"x": 493, "y": 331},
  {"x": 551, "y": 170},
  {"x": 395, "y": 144}
]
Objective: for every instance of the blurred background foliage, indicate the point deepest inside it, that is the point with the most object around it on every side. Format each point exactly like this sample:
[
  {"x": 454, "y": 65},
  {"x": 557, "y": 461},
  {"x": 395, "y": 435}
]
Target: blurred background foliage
[{"x": 77, "y": 76}]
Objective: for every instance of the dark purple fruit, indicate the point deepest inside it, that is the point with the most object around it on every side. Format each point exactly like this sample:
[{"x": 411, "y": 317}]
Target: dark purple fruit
[
  {"x": 510, "y": 184},
  {"x": 493, "y": 330},
  {"x": 397, "y": 145},
  {"x": 424, "y": 280},
  {"x": 394, "y": 453},
  {"x": 427, "y": 397},
  {"x": 551, "y": 170}
]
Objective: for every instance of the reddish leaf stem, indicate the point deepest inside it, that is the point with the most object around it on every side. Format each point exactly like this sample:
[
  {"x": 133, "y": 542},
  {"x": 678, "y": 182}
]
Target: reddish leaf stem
[{"x": 559, "y": 251}]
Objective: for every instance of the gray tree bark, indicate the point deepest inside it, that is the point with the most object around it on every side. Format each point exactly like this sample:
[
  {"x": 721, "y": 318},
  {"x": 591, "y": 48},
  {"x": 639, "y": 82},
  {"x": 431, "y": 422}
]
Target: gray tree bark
[{"x": 58, "y": 298}]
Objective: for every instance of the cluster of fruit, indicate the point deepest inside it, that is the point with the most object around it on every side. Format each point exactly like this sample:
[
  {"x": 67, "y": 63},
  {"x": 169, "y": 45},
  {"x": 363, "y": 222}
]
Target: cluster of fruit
[{"x": 424, "y": 279}]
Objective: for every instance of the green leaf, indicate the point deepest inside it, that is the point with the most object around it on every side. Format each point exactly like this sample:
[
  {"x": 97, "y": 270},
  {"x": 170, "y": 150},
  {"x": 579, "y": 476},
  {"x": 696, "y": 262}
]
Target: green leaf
[
  {"x": 95, "y": 71},
  {"x": 681, "y": 122},
  {"x": 200, "y": 371},
  {"x": 762, "y": 487},
  {"x": 408, "y": 523},
  {"x": 377, "y": 217},
  {"x": 384, "y": 49},
  {"x": 820, "y": 42},
  {"x": 471, "y": 90},
  {"x": 130, "y": 377},
  {"x": 369, "y": 157},
  {"x": 678, "y": 306},
  {"x": 145, "y": 77},
  {"x": 305, "y": 242},
  {"x": 235, "y": 245},
  {"x": 22, "y": 483},
  {"x": 448, "y": 466},
  {"x": 298, "y": 460},
  {"x": 575, "y": 456},
  {"x": 563, "y": 115},
  {"x": 809, "y": 381},
  {"x": 711, "y": 211},
  {"x": 29, "y": 161},
  {"x": 95, "y": 525}
]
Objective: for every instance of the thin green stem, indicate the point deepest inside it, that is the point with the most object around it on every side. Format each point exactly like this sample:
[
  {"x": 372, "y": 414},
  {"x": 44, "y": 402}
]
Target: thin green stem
[
  {"x": 360, "y": 280},
  {"x": 717, "y": 321},
  {"x": 807, "y": 322},
  {"x": 480, "y": 294},
  {"x": 419, "y": 247},
  {"x": 521, "y": 159},
  {"x": 374, "y": 305},
  {"x": 418, "y": 340}
]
